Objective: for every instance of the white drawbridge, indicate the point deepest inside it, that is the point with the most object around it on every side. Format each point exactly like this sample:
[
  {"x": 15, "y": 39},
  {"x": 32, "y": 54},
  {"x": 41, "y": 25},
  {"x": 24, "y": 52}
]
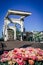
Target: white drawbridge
[{"x": 8, "y": 20}]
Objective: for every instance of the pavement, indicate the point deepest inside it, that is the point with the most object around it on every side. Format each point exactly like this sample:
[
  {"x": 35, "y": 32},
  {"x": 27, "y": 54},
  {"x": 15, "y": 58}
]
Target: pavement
[{"x": 8, "y": 45}]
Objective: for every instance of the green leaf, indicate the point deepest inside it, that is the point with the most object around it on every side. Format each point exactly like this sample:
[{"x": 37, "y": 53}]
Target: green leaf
[
  {"x": 40, "y": 63},
  {"x": 36, "y": 63},
  {"x": 3, "y": 63}
]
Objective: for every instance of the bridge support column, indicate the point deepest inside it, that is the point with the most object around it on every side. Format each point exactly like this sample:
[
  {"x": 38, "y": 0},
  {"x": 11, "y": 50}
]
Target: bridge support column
[
  {"x": 5, "y": 32},
  {"x": 22, "y": 29}
]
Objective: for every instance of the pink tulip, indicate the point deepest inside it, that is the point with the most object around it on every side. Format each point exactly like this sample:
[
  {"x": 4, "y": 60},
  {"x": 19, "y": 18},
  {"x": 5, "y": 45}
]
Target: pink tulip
[
  {"x": 20, "y": 61},
  {"x": 3, "y": 59},
  {"x": 22, "y": 54},
  {"x": 31, "y": 62},
  {"x": 6, "y": 52},
  {"x": 40, "y": 53}
]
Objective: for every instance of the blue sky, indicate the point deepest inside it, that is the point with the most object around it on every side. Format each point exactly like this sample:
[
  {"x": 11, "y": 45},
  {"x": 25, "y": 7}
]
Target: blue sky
[{"x": 31, "y": 23}]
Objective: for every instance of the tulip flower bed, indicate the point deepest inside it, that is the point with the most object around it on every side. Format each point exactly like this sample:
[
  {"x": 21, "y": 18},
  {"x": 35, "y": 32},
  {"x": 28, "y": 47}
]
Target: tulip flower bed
[{"x": 22, "y": 56}]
